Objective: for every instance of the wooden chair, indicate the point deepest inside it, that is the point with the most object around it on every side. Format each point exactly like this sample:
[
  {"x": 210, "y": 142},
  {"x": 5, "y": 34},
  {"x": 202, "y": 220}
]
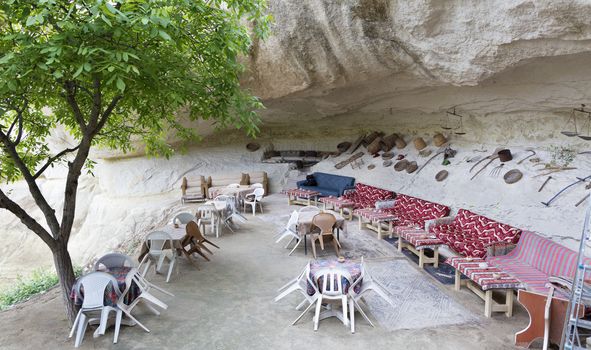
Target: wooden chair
[
  {"x": 325, "y": 222},
  {"x": 196, "y": 242}
]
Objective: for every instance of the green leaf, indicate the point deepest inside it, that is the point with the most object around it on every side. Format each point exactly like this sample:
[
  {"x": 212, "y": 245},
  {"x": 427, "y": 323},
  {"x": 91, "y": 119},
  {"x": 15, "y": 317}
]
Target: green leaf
[
  {"x": 78, "y": 71},
  {"x": 120, "y": 84},
  {"x": 87, "y": 67},
  {"x": 164, "y": 35},
  {"x": 30, "y": 21}
]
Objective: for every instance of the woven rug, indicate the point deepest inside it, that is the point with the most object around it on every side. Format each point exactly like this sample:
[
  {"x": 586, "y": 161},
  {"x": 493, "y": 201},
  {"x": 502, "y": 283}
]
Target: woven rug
[{"x": 419, "y": 303}]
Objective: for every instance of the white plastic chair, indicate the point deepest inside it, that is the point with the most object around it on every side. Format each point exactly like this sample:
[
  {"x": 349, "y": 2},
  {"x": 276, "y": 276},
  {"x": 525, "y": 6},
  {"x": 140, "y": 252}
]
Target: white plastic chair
[
  {"x": 230, "y": 204},
  {"x": 156, "y": 242},
  {"x": 134, "y": 277},
  {"x": 332, "y": 289},
  {"x": 290, "y": 230},
  {"x": 253, "y": 199},
  {"x": 367, "y": 284},
  {"x": 209, "y": 216},
  {"x": 299, "y": 284},
  {"x": 95, "y": 285},
  {"x": 309, "y": 208},
  {"x": 257, "y": 185},
  {"x": 183, "y": 218},
  {"x": 111, "y": 260}
]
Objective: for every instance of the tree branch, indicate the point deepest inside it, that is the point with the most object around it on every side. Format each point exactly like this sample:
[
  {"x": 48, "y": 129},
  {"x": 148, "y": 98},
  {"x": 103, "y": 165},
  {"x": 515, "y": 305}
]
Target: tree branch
[
  {"x": 26, "y": 219},
  {"x": 40, "y": 200},
  {"x": 70, "y": 88},
  {"x": 53, "y": 159},
  {"x": 107, "y": 113}
]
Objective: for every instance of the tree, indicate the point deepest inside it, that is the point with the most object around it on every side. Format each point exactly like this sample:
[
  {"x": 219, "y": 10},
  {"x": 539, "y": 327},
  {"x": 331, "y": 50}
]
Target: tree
[{"x": 112, "y": 72}]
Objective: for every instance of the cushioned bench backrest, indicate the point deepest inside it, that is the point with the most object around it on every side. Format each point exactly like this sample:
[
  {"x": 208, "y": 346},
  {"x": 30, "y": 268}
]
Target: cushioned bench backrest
[
  {"x": 545, "y": 255},
  {"x": 420, "y": 209},
  {"x": 481, "y": 226},
  {"x": 257, "y": 177},
  {"x": 332, "y": 181},
  {"x": 369, "y": 195}
]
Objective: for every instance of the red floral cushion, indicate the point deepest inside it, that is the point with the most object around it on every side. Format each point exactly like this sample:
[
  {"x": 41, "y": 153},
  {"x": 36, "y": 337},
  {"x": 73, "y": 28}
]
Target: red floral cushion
[
  {"x": 470, "y": 233},
  {"x": 365, "y": 196}
]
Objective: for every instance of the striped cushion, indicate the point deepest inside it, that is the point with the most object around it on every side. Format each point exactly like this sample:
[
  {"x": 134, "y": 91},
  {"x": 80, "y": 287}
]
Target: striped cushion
[{"x": 535, "y": 259}]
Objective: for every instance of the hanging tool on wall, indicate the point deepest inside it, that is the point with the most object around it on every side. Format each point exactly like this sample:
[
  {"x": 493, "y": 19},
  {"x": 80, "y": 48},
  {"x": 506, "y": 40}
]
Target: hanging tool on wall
[
  {"x": 582, "y": 200},
  {"x": 544, "y": 184},
  {"x": 579, "y": 180},
  {"x": 533, "y": 153}
]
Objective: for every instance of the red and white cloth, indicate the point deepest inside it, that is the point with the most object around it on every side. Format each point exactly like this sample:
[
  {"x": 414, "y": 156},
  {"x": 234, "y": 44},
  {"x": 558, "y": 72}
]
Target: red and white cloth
[
  {"x": 337, "y": 202},
  {"x": 470, "y": 233},
  {"x": 535, "y": 259},
  {"x": 489, "y": 277},
  {"x": 365, "y": 196},
  {"x": 302, "y": 193},
  {"x": 420, "y": 239},
  {"x": 372, "y": 214}
]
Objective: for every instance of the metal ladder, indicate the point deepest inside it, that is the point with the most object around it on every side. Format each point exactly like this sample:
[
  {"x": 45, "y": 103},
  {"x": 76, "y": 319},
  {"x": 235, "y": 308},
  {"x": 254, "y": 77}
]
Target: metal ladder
[{"x": 580, "y": 295}]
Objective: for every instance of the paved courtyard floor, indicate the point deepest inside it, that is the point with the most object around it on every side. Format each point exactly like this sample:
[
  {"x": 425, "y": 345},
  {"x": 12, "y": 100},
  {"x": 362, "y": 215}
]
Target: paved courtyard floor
[{"x": 228, "y": 304}]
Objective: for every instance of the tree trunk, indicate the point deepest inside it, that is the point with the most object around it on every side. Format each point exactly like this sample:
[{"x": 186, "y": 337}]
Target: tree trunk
[{"x": 65, "y": 273}]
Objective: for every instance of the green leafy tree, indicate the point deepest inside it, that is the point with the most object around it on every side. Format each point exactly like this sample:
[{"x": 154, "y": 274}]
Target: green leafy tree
[{"x": 112, "y": 72}]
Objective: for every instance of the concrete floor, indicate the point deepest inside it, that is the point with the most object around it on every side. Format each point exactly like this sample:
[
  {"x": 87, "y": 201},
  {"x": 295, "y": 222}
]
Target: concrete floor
[{"x": 228, "y": 304}]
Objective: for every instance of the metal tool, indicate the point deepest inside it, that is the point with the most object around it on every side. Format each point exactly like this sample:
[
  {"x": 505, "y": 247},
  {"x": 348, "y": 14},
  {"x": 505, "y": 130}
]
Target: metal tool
[
  {"x": 553, "y": 170},
  {"x": 485, "y": 165},
  {"x": 579, "y": 180},
  {"x": 533, "y": 153},
  {"x": 582, "y": 200},
  {"x": 544, "y": 184},
  {"x": 497, "y": 170}
]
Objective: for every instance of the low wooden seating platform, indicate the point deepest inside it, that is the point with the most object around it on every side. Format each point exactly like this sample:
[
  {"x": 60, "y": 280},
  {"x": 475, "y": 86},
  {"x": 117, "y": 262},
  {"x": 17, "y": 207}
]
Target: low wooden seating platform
[
  {"x": 483, "y": 279},
  {"x": 417, "y": 240}
]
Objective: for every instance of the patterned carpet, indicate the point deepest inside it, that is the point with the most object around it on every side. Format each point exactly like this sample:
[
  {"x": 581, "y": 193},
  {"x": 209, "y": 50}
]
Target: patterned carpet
[{"x": 419, "y": 301}]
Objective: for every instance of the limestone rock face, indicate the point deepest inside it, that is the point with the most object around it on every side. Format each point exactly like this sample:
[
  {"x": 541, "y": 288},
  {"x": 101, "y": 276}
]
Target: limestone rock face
[{"x": 317, "y": 44}]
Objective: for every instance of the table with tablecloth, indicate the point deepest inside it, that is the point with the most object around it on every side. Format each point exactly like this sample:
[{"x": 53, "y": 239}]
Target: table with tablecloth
[
  {"x": 353, "y": 267},
  {"x": 111, "y": 297},
  {"x": 237, "y": 192},
  {"x": 305, "y": 226},
  {"x": 305, "y": 221}
]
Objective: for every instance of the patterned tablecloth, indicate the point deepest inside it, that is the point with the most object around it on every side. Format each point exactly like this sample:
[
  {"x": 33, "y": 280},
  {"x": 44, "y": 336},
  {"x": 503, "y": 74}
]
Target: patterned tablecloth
[
  {"x": 354, "y": 268},
  {"x": 301, "y": 193},
  {"x": 420, "y": 239},
  {"x": 372, "y": 214},
  {"x": 337, "y": 202},
  {"x": 305, "y": 221},
  {"x": 120, "y": 273},
  {"x": 483, "y": 276}
]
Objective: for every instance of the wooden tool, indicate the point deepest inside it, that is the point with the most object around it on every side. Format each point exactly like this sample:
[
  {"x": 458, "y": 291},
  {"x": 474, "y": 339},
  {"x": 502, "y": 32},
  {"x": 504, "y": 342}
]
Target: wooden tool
[
  {"x": 430, "y": 159},
  {"x": 544, "y": 184},
  {"x": 342, "y": 164},
  {"x": 356, "y": 144}
]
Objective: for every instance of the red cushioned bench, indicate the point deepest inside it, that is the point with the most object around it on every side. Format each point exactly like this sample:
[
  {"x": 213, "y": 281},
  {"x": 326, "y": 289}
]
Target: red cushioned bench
[
  {"x": 533, "y": 261},
  {"x": 469, "y": 234}
]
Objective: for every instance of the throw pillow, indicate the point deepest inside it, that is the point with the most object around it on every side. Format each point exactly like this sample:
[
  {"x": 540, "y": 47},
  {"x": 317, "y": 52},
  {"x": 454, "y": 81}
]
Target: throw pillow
[{"x": 310, "y": 181}]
